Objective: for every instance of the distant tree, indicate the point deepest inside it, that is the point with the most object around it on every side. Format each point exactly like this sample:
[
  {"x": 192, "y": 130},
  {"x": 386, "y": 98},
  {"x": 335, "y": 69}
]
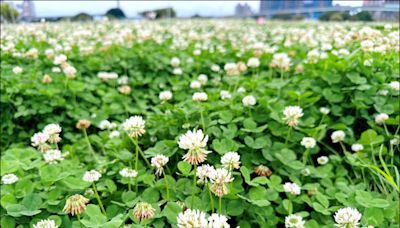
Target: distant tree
[
  {"x": 8, "y": 13},
  {"x": 288, "y": 17},
  {"x": 362, "y": 16},
  {"x": 115, "y": 13},
  {"x": 82, "y": 17}
]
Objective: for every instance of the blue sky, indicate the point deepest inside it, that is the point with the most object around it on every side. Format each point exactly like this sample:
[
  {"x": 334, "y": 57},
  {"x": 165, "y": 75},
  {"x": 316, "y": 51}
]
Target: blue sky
[{"x": 131, "y": 8}]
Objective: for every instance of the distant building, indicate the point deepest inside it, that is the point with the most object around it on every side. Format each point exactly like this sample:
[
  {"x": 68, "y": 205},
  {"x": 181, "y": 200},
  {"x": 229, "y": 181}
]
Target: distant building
[
  {"x": 27, "y": 10},
  {"x": 275, "y": 5},
  {"x": 267, "y": 5},
  {"x": 243, "y": 10}
]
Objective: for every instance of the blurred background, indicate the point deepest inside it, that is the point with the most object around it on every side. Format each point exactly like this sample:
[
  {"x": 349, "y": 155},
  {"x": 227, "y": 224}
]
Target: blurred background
[{"x": 325, "y": 10}]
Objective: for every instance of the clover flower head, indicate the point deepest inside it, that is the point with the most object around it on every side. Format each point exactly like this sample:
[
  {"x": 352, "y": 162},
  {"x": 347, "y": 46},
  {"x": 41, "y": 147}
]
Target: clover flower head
[
  {"x": 347, "y": 218},
  {"x": 292, "y": 188},
  {"x": 9, "y": 178},
  {"x": 134, "y": 126},
  {"x": 159, "y": 161},
  {"x": 91, "y": 176}
]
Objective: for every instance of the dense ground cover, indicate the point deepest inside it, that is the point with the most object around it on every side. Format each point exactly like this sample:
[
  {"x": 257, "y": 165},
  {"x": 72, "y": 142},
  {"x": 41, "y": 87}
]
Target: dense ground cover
[{"x": 200, "y": 124}]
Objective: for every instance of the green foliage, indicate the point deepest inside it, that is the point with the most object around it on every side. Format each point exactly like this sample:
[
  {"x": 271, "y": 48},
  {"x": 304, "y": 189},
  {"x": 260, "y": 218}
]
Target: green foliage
[{"x": 271, "y": 152}]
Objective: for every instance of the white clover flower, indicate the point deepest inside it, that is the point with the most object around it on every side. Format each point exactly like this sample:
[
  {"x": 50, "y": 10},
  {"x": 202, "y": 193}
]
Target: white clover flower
[
  {"x": 91, "y": 176},
  {"x": 197, "y": 52},
  {"x": 395, "y": 85},
  {"x": 381, "y": 118},
  {"x": 292, "y": 115},
  {"x": 294, "y": 221},
  {"x": 52, "y": 129},
  {"x": 194, "y": 142},
  {"x": 253, "y": 62},
  {"x": 114, "y": 134},
  {"x": 217, "y": 221},
  {"x": 204, "y": 172},
  {"x": 55, "y": 70},
  {"x": 69, "y": 71},
  {"x": 60, "y": 59},
  {"x": 195, "y": 85},
  {"x": 17, "y": 70},
  {"x": 177, "y": 71},
  {"x": 221, "y": 176},
  {"x": 215, "y": 68},
  {"x": 200, "y": 96},
  {"x": 123, "y": 80},
  {"x": 357, "y": 147},
  {"x": 231, "y": 160},
  {"x": 202, "y": 79},
  {"x": 39, "y": 138},
  {"x": 241, "y": 90},
  {"x": 249, "y": 100},
  {"x": 322, "y": 160},
  {"x": 175, "y": 62},
  {"x": 192, "y": 219},
  {"x": 107, "y": 75},
  {"x": 324, "y": 110},
  {"x": 367, "y": 45},
  {"x": 159, "y": 161},
  {"x": 232, "y": 69},
  {"x": 127, "y": 172},
  {"x": 165, "y": 95},
  {"x": 105, "y": 124},
  {"x": 9, "y": 178},
  {"x": 45, "y": 223},
  {"x": 53, "y": 156},
  {"x": 338, "y": 136},
  {"x": 134, "y": 126},
  {"x": 368, "y": 62},
  {"x": 347, "y": 218},
  {"x": 308, "y": 142},
  {"x": 225, "y": 95},
  {"x": 281, "y": 60},
  {"x": 292, "y": 188},
  {"x": 383, "y": 92}
]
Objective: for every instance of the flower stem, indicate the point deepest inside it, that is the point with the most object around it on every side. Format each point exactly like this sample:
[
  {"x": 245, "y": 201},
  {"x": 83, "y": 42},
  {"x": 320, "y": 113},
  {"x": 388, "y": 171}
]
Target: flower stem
[
  {"x": 220, "y": 205},
  {"x": 136, "y": 163},
  {"x": 305, "y": 156},
  {"x": 140, "y": 150},
  {"x": 288, "y": 135},
  {"x": 166, "y": 184},
  {"x": 194, "y": 185},
  {"x": 202, "y": 121},
  {"x": 211, "y": 198},
  {"x": 386, "y": 130},
  {"x": 129, "y": 185},
  {"x": 98, "y": 198},
  {"x": 79, "y": 219},
  {"x": 343, "y": 147},
  {"x": 89, "y": 145}
]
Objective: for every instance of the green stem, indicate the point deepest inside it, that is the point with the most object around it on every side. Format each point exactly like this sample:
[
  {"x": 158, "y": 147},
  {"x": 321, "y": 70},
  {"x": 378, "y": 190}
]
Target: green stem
[
  {"x": 166, "y": 184},
  {"x": 305, "y": 156},
  {"x": 211, "y": 198},
  {"x": 89, "y": 145},
  {"x": 194, "y": 185},
  {"x": 98, "y": 198},
  {"x": 202, "y": 121},
  {"x": 79, "y": 219},
  {"x": 220, "y": 205},
  {"x": 386, "y": 130},
  {"x": 140, "y": 151},
  {"x": 136, "y": 163},
  {"x": 129, "y": 185},
  {"x": 288, "y": 135},
  {"x": 343, "y": 147}
]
